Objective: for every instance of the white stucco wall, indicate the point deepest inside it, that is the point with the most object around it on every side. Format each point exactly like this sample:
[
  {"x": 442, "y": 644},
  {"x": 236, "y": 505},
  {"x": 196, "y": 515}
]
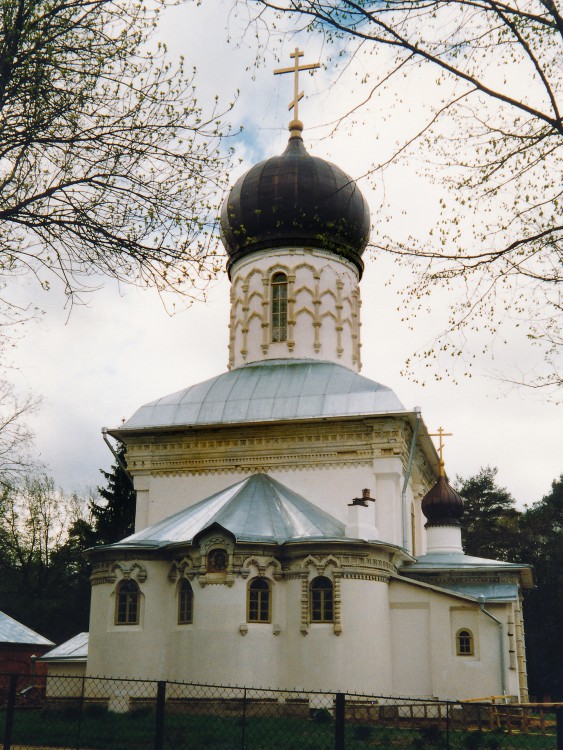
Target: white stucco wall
[
  {"x": 424, "y": 627},
  {"x": 323, "y": 308},
  {"x": 269, "y": 654},
  {"x": 331, "y": 489},
  {"x": 396, "y": 638}
]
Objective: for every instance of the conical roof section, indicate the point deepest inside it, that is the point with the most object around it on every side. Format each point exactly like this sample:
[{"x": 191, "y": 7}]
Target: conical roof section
[
  {"x": 295, "y": 199},
  {"x": 257, "y": 509}
]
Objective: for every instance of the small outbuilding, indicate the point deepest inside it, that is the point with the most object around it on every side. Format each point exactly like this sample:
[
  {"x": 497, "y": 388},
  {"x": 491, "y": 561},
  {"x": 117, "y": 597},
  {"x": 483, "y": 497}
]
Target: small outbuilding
[{"x": 19, "y": 647}]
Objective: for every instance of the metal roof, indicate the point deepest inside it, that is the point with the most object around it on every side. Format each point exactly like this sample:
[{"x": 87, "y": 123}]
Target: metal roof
[
  {"x": 295, "y": 200},
  {"x": 491, "y": 592},
  {"x": 458, "y": 561},
  {"x": 76, "y": 649},
  {"x": 269, "y": 390},
  {"x": 12, "y": 631},
  {"x": 257, "y": 509}
]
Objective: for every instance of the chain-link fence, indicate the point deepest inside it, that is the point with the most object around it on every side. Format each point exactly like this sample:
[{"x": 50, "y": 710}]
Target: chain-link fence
[{"x": 87, "y": 713}]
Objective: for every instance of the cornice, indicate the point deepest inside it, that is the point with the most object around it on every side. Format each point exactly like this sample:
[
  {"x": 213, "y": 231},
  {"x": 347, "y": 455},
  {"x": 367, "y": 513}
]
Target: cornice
[{"x": 283, "y": 447}]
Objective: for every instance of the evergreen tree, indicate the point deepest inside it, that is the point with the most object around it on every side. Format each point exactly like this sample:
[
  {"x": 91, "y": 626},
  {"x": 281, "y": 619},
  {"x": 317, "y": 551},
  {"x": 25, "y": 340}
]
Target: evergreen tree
[
  {"x": 494, "y": 528},
  {"x": 115, "y": 519},
  {"x": 542, "y": 546},
  {"x": 490, "y": 520}
]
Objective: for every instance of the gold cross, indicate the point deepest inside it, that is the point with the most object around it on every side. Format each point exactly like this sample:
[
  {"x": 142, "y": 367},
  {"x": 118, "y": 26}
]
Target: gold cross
[
  {"x": 441, "y": 434},
  {"x": 297, "y": 95}
]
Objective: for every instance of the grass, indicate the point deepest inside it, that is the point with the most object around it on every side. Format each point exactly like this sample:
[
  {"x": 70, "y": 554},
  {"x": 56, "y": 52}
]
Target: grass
[{"x": 98, "y": 729}]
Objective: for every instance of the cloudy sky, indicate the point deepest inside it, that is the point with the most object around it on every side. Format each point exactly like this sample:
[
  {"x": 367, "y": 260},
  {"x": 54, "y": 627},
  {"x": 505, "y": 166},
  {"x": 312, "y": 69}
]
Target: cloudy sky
[{"x": 97, "y": 363}]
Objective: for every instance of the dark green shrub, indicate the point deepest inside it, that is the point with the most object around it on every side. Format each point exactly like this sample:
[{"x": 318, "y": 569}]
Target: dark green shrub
[
  {"x": 71, "y": 712},
  {"x": 363, "y": 733},
  {"x": 321, "y": 715},
  {"x": 428, "y": 737},
  {"x": 474, "y": 740},
  {"x": 95, "y": 710}
]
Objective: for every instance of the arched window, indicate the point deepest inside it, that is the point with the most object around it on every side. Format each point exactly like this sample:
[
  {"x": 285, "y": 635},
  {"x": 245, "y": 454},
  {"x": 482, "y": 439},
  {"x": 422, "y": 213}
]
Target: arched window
[
  {"x": 259, "y": 600},
  {"x": 322, "y": 600},
  {"x": 127, "y": 603},
  {"x": 185, "y": 603},
  {"x": 464, "y": 643},
  {"x": 279, "y": 307}
]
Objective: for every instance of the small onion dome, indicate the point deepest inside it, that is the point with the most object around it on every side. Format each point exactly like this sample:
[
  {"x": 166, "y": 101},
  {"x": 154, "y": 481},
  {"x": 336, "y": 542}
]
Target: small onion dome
[
  {"x": 442, "y": 505},
  {"x": 295, "y": 200}
]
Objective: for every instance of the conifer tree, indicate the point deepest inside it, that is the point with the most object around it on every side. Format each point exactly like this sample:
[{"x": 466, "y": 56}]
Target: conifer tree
[
  {"x": 541, "y": 545},
  {"x": 490, "y": 519},
  {"x": 115, "y": 519}
]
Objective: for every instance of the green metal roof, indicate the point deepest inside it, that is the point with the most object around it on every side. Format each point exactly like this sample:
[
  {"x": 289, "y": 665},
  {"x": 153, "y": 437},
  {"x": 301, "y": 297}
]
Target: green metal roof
[
  {"x": 436, "y": 562},
  {"x": 257, "y": 509},
  {"x": 270, "y": 390}
]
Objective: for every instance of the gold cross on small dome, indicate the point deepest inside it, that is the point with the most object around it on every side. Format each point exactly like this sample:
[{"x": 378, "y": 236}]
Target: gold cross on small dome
[
  {"x": 441, "y": 434},
  {"x": 295, "y": 69}
]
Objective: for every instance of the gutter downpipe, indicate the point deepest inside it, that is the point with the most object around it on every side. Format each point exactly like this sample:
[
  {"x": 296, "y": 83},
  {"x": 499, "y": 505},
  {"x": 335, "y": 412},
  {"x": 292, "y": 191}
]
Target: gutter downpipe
[
  {"x": 500, "y": 642},
  {"x": 116, "y": 456},
  {"x": 417, "y": 410}
]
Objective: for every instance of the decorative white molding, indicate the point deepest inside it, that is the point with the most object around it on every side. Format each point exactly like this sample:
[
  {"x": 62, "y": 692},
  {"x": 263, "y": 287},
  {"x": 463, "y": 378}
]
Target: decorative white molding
[
  {"x": 281, "y": 447},
  {"x": 134, "y": 571},
  {"x": 322, "y": 314}
]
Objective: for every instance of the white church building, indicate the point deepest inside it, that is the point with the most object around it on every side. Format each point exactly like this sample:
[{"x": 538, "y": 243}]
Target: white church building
[{"x": 294, "y": 526}]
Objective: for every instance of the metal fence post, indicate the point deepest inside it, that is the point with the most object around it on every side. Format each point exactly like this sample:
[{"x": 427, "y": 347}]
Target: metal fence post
[
  {"x": 339, "y": 720},
  {"x": 81, "y": 713},
  {"x": 159, "y": 719},
  {"x": 243, "y": 736},
  {"x": 447, "y": 726},
  {"x": 559, "y": 720},
  {"x": 10, "y": 708}
]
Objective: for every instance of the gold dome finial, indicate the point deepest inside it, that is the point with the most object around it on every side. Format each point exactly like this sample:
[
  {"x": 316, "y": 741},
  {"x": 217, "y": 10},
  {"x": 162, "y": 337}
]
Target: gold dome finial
[
  {"x": 296, "y": 126},
  {"x": 441, "y": 434}
]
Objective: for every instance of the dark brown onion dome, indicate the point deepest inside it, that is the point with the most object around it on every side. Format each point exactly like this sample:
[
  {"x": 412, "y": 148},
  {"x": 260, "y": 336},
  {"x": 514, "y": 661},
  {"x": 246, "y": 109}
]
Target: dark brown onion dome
[
  {"x": 295, "y": 200},
  {"x": 442, "y": 505}
]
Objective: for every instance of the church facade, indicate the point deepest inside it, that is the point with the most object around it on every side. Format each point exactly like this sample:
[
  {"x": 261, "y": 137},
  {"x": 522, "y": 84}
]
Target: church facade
[{"x": 294, "y": 525}]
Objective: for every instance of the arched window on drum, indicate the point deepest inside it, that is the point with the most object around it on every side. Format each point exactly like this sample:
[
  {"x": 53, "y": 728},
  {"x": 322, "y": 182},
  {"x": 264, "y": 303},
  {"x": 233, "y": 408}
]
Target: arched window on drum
[{"x": 279, "y": 307}]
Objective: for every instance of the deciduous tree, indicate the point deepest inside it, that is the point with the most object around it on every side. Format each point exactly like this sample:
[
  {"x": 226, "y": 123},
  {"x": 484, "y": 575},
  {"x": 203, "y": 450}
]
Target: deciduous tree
[
  {"x": 39, "y": 580},
  {"x": 493, "y": 132},
  {"x": 109, "y": 163},
  {"x": 15, "y": 433}
]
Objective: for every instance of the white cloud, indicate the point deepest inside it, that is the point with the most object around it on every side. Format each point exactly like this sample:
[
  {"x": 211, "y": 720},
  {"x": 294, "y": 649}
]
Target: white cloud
[{"x": 123, "y": 349}]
